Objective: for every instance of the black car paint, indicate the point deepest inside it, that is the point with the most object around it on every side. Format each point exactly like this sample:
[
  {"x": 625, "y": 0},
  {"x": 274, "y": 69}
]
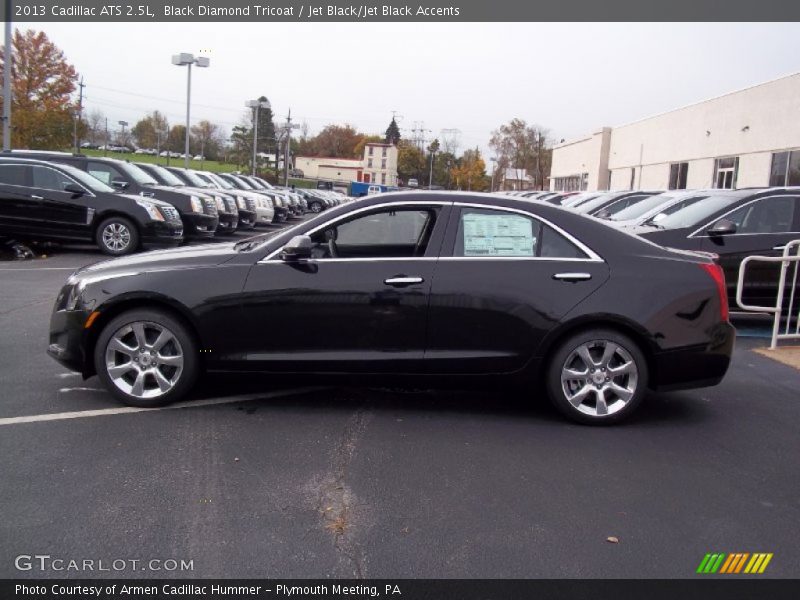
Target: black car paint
[
  {"x": 196, "y": 225},
  {"x": 468, "y": 317},
  {"x": 33, "y": 213},
  {"x": 761, "y": 283}
]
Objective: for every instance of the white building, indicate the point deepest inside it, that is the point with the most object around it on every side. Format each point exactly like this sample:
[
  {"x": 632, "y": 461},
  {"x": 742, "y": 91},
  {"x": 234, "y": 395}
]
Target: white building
[
  {"x": 378, "y": 165},
  {"x": 746, "y": 138}
]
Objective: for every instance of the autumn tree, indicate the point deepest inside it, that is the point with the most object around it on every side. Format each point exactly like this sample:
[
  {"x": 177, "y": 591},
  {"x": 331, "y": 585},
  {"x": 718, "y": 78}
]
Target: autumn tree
[
  {"x": 393, "y": 133},
  {"x": 206, "y": 137},
  {"x": 176, "y": 139},
  {"x": 335, "y": 141},
  {"x": 151, "y": 131},
  {"x": 42, "y": 83},
  {"x": 410, "y": 161},
  {"x": 470, "y": 172},
  {"x": 523, "y": 148},
  {"x": 358, "y": 151}
]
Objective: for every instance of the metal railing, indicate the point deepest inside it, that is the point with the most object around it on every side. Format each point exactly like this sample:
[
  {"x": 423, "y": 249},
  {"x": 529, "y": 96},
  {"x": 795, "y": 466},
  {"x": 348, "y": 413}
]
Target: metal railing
[{"x": 789, "y": 259}]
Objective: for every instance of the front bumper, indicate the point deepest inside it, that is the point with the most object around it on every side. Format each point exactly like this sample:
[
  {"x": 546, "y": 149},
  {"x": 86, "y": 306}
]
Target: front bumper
[
  {"x": 200, "y": 225},
  {"x": 67, "y": 337},
  {"x": 228, "y": 222},
  {"x": 247, "y": 219},
  {"x": 162, "y": 234}
]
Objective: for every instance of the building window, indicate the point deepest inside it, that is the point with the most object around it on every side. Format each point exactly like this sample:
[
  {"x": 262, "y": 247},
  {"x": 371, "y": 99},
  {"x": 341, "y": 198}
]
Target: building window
[
  {"x": 573, "y": 183},
  {"x": 384, "y": 151},
  {"x": 785, "y": 168},
  {"x": 383, "y": 164},
  {"x": 677, "y": 175},
  {"x": 383, "y": 178},
  {"x": 725, "y": 171},
  {"x": 633, "y": 178},
  {"x": 371, "y": 148},
  {"x": 369, "y": 162}
]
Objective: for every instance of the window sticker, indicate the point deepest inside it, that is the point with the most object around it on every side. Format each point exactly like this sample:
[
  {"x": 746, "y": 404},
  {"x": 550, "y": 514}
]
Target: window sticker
[{"x": 498, "y": 235}]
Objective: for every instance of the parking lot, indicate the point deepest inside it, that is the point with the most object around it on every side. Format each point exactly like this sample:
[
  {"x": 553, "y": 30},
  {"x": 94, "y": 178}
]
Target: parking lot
[{"x": 262, "y": 480}]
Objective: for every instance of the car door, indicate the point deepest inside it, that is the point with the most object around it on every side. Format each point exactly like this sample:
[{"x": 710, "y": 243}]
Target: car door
[
  {"x": 360, "y": 304},
  {"x": 20, "y": 206},
  {"x": 63, "y": 214},
  {"x": 763, "y": 228},
  {"x": 505, "y": 278}
]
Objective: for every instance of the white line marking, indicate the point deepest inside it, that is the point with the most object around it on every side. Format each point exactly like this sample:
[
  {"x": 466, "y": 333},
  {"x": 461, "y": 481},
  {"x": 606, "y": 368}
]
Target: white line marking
[
  {"x": 42, "y": 269},
  {"x": 65, "y": 375},
  {"x": 79, "y": 389},
  {"x": 131, "y": 409}
]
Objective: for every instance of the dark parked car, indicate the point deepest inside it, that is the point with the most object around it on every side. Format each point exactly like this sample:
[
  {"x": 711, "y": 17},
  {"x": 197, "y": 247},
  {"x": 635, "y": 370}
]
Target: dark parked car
[
  {"x": 281, "y": 214},
  {"x": 430, "y": 285},
  {"x": 198, "y": 213},
  {"x": 607, "y": 203},
  {"x": 49, "y": 201},
  {"x": 733, "y": 225}
]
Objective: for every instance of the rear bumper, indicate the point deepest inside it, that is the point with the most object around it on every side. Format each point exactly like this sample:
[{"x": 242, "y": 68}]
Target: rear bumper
[{"x": 695, "y": 366}]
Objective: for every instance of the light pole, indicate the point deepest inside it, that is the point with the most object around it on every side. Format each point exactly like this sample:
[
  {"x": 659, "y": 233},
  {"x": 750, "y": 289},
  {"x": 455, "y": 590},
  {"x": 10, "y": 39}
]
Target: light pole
[
  {"x": 9, "y": 61},
  {"x": 430, "y": 175},
  {"x": 256, "y": 105},
  {"x": 492, "y": 160},
  {"x": 187, "y": 59},
  {"x": 123, "y": 124}
]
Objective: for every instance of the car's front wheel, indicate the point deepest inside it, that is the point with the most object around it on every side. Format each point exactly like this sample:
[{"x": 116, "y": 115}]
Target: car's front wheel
[
  {"x": 316, "y": 207},
  {"x": 597, "y": 376},
  {"x": 117, "y": 236},
  {"x": 146, "y": 358}
]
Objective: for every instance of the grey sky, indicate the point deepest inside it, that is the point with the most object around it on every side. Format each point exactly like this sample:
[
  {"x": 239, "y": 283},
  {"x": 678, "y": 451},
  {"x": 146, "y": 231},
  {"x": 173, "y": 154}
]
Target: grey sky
[{"x": 570, "y": 78}]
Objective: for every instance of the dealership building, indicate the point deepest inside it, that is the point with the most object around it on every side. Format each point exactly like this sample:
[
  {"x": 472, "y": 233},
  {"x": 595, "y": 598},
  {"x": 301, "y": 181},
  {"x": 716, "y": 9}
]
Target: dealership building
[
  {"x": 746, "y": 138},
  {"x": 377, "y": 165}
]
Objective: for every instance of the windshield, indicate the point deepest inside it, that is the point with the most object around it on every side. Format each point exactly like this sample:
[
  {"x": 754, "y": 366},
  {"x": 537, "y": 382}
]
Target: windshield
[
  {"x": 166, "y": 177},
  {"x": 216, "y": 180},
  {"x": 264, "y": 183},
  {"x": 590, "y": 205},
  {"x": 254, "y": 182},
  {"x": 87, "y": 180},
  {"x": 137, "y": 174},
  {"x": 193, "y": 179},
  {"x": 240, "y": 183},
  {"x": 637, "y": 210},
  {"x": 695, "y": 212}
]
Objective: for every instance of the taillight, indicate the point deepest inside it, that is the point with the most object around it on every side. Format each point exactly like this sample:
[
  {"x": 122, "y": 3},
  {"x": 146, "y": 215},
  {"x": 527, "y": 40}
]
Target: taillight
[{"x": 717, "y": 274}]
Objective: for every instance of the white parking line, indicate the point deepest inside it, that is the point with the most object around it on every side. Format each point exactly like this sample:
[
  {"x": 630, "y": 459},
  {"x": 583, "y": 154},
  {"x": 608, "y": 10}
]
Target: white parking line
[{"x": 121, "y": 410}]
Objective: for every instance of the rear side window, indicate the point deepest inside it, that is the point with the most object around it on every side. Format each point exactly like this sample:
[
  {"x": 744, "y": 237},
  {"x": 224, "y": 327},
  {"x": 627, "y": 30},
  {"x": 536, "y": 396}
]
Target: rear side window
[
  {"x": 14, "y": 174},
  {"x": 769, "y": 215},
  {"x": 49, "y": 179},
  {"x": 488, "y": 233}
]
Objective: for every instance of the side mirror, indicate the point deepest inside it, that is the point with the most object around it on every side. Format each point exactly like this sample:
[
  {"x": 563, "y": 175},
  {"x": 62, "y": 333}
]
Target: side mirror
[
  {"x": 722, "y": 227},
  {"x": 74, "y": 189},
  {"x": 603, "y": 214},
  {"x": 119, "y": 184},
  {"x": 298, "y": 248}
]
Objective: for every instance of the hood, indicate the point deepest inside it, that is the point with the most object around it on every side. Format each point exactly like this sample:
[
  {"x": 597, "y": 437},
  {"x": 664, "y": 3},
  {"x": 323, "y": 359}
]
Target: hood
[
  {"x": 152, "y": 199},
  {"x": 205, "y": 255}
]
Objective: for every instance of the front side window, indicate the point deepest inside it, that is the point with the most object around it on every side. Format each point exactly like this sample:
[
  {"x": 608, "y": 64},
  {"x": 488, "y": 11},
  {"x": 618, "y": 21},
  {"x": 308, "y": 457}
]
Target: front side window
[
  {"x": 395, "y": 233},
  {"x": 769, "y": 215},
  {"x": 14, "y": 175},
  {"x": 494, "y": 233},
  {"x": 104, "y": 172},
  {"x": 49, "y": 179}
]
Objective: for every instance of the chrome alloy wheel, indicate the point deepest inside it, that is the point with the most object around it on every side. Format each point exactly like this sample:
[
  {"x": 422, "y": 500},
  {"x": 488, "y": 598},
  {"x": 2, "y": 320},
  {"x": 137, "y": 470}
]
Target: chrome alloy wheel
[
  {"x": 144, "y": 359},
  {"x": 599, "y": 378},
  {"x": 116, "y": 237}
]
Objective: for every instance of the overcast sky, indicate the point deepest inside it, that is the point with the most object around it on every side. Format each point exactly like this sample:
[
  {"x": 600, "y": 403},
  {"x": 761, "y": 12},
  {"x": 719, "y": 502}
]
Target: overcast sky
[{"x": 570, "y": 78}]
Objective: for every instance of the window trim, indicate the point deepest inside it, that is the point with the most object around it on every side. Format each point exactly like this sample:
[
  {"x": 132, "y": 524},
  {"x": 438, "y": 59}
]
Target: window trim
[
  {"x": 86, "y": 192},
  {"x": 592, "y": 256},
  {"x": 722, "y": 216}
]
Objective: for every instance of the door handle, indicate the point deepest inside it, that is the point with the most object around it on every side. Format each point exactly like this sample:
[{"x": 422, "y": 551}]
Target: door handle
[
  {"x": 572, "y": 276},
  {"x": 35, "y": 197},
  {"x": 779, "y": 248},
  {"x": 402, "y": 281}
]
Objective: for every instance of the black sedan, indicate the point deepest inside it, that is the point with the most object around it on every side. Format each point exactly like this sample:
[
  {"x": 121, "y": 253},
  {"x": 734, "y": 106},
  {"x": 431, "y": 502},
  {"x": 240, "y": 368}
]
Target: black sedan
[
  {"x": 734, "y": 225},
  {"x": 431, "y": 285}
]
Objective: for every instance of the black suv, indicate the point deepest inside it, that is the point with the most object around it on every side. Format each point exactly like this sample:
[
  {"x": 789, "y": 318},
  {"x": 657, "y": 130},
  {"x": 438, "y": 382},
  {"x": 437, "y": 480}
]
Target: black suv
[
  {"x": 47, "y": 201},
  {"x": 198, "y": 212}
]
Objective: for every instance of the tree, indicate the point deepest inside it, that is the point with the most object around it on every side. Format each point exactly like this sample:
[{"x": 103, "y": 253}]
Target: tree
[
  {"x": 358, "y": 151},
  {"x": 151, "y": 131},
  {"x": 335, "y": 141},
  {"x": 523, "y": 148},
  {"x": 393, "y": 133},
  {"x": 176, "y": 139},
  {"x": 205, "y": 135},
  {"x": 433, "y": 148},
  {"x": 240, "y": 151},
  {"x": 410, "y": 161},
  {"x": 42, "y": 83},
  {"x": 470, "y": 172},
  {"x": 96, "y": 126},
  {"x": 266, "y": 129}
]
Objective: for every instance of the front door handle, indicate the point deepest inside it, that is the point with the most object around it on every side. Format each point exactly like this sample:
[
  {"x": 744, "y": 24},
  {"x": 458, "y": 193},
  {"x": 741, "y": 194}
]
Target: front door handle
[
  {"x": 402, "y": 281},
  {"x": 35, "y": 197},
  {"x": 779, "y": 248},
  {"x": 572, "y": 276}
]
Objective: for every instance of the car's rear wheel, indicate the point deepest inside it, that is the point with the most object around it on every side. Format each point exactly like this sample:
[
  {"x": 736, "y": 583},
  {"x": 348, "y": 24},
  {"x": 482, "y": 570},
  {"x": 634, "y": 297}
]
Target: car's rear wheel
[
  {"x": 117, "y": 236},
  {"x": 316, "y": 207},
  {"x": 597, "y": 376},
  {"x": 146, "y": 358}
]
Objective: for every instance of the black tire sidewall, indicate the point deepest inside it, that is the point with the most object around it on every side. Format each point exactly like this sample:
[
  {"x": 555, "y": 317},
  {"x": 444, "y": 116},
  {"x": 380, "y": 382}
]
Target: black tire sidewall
[
  {"x": 553, "y": 375},
  {"x": 191, "y": 361},
  {"x": 134, "y": 243}
]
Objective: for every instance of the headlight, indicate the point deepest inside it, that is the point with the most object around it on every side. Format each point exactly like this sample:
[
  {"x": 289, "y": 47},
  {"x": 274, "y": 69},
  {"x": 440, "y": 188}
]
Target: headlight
[
  {"x": 151, "y": 209},
  {"x": 240, "y": 202},
  {"x": 197, "y": 206},
  {"x": 220, "y": 203}
]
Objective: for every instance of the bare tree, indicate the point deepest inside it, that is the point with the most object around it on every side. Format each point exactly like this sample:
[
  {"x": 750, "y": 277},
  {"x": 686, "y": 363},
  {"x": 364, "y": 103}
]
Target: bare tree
[
  {"x": 96, "y": 123},
  {"x": 524, "y": 149}
]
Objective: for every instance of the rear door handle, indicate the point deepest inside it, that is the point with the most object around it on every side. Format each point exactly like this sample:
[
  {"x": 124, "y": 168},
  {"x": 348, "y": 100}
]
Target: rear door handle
[
  {"x": 35, "y": 197},
  {"x": 402, "y": 281},
  {"x": 779, "y": 248},
  {"x": 572, "y": 276}
]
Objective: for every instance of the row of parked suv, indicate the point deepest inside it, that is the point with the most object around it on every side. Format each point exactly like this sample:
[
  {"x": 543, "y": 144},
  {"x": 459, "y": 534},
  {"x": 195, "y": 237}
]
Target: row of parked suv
[
  {"x": 731, "y": 224},
  {"x": 123, "y": 206}
]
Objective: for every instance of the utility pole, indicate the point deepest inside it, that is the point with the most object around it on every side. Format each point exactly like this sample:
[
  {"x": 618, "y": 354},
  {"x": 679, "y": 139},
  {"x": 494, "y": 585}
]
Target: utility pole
[
  {"x": 78, "y": 116},
  {"x": 286, "y": 151},
  {"x": 9, "y": 61},
  {"x": 105, "y": 145}
]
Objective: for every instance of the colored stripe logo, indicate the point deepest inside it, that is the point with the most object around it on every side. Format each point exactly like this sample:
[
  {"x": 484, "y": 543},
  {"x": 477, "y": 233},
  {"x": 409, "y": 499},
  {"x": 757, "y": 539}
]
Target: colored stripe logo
[{"x": 737, "y": 562}]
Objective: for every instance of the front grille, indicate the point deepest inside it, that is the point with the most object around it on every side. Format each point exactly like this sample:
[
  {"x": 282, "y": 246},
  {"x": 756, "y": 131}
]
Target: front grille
[
  {"x": 210, "y": 206},
  {"x": 170, "y": 214},
  {"x": 230, "y": 204},
  {"x": 251, "y": 204}
]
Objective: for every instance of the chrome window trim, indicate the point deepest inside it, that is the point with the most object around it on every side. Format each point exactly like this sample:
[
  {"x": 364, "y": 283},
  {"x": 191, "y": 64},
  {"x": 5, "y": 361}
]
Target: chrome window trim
[
  {"x": 592, "y": 256},
  {"x": 754, "y": 200}
]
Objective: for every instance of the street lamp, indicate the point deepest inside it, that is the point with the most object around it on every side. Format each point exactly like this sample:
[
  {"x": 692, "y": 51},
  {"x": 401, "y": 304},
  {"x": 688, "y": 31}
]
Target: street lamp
[
  {"x": 492, "y": 160},
  {"x": 187, "y": 59},
  {"x": 123, "y": 124},
  {"x": 256, "y": 104}
]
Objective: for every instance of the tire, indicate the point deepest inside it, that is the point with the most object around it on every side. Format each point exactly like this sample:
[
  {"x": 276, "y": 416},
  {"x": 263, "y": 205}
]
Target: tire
[
  {"x": 593, "y": 394},
  {"x": 117, "y": 236},
  {"x": 316, "y": 207},
  {"x": 176, "y": 360}
]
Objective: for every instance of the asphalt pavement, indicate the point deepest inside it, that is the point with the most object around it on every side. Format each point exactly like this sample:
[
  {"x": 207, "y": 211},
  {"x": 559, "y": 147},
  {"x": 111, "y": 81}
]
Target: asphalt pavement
[{"x": 250, "y": 479}]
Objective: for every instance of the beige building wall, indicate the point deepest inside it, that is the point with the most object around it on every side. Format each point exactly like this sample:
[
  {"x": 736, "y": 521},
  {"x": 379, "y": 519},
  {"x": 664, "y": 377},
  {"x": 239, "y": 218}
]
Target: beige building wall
[
  {"x": 583, "y": 156},
  {"x": 380, "y": 162}
]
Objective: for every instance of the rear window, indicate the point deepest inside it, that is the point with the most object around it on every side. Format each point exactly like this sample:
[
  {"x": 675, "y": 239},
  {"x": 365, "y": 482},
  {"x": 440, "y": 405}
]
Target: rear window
[{"x": 14, "y": 174}]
